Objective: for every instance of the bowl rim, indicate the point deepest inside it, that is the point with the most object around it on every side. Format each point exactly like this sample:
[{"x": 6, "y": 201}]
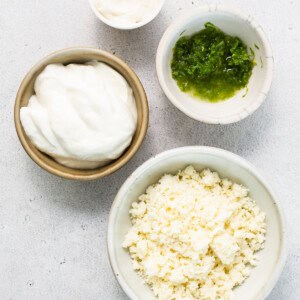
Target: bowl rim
[
  {"x": 211, "y": 9},
  {"x": 270, "y": 284},
  {"x": 120, "y": 161},
  {"x": 121, "y": 26}
]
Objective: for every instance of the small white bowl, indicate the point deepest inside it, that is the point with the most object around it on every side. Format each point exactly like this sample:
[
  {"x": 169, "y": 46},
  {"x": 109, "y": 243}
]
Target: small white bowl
[
  {"x": 123, "y": 26},
  {"x": 235, "y": 23},
  {"x": 271, "y": 259}
]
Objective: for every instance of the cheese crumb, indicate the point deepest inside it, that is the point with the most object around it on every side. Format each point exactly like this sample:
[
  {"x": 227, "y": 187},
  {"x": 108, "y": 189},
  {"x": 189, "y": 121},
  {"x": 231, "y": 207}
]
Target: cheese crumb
[{"x": 194, "y": 236}]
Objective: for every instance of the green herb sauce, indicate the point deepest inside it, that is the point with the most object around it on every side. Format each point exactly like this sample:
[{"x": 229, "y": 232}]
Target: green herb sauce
[{"x": 211, "y": 65}]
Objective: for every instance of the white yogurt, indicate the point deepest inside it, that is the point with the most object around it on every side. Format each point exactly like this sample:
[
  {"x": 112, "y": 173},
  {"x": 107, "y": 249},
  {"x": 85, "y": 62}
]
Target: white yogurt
[
  {"x": 127, "y": 12},
  {"x": 84, "y": 116}
]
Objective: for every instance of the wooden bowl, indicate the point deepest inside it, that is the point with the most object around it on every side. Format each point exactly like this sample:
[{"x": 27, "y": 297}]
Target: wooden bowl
[{"x": 82, "y": 55}]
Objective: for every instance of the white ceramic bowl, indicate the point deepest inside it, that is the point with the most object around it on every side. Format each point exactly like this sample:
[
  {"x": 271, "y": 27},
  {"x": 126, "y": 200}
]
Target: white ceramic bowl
[
  {"x": 235, "y": 23},
  {"x": 122, "y": 26},
  {"x": 271, "y": 259}
]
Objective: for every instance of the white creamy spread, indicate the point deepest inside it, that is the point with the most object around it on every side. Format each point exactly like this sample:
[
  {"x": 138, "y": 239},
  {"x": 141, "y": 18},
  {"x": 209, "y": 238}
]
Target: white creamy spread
[
  {"x": 127, "y": 11},
  {"x": 194, "y": 236},
  {"x": 83, "y": 115}
]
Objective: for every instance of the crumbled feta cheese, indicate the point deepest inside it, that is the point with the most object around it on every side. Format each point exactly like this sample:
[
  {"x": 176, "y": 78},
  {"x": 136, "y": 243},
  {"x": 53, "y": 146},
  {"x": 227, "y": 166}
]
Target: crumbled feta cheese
[
  {"x": 225, "y": 248},
  {"x": 194, "y": 236}
]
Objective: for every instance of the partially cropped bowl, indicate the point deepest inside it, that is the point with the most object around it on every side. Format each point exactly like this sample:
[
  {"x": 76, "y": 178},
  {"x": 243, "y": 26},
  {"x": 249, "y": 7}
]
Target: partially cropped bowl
[
  {"x": 235, "y": 23},
  {"x": 270, "y": 260},
  {"x": 82, "y": 55},
  {"x": 124, "y": 25}
]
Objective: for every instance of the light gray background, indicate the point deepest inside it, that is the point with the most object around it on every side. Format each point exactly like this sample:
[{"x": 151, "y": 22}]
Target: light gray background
[{"x": 52, "y": 231}]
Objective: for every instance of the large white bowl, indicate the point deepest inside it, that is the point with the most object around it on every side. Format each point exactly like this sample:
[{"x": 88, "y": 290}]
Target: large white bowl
[
  {"x": 271, "y": 259},
  {"x": 235, "y": 23}
]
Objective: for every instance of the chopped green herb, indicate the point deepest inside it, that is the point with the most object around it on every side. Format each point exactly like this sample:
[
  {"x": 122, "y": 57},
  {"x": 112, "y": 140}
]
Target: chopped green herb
[
  {"x": 211, "y": 65},
  {"x": 246, "y": 93},
  {"x": 261, "y": 62},
  {"x": 256, "y": 46}
]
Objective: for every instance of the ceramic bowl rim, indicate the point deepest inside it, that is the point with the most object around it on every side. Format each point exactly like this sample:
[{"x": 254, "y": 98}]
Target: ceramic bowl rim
[
  {"x": 270, "y": 284},
  {"x": 120, "y": 162},
  {"x": 124, "y": 26},
  {"x": 179, "y": 23}
]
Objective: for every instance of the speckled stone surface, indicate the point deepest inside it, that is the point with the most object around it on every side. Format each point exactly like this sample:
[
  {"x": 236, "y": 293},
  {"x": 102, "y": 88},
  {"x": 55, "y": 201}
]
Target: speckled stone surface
[{"x": 52, "y": 231}]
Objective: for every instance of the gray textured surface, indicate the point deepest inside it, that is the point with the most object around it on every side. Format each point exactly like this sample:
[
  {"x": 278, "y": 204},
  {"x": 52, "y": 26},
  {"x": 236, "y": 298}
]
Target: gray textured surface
[{"x": 52, "y": 231}]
